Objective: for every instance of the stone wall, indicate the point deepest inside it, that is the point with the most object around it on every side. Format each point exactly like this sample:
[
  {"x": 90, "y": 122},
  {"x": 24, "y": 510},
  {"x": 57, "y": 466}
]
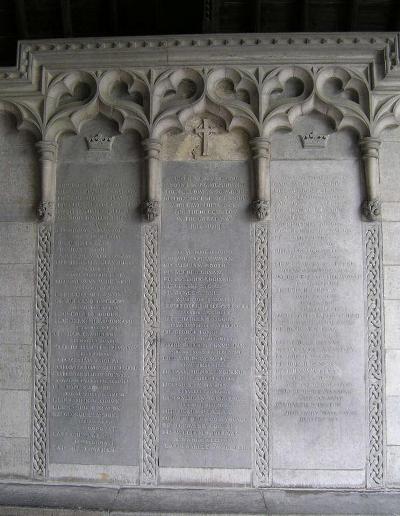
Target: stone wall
[{"x": 112, "y": 215}]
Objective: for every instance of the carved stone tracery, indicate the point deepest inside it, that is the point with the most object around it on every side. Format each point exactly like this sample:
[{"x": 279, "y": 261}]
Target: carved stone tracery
[{"x": 258, "y": 100}]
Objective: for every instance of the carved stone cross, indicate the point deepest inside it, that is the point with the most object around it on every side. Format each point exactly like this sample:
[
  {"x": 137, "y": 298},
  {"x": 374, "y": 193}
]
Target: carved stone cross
[{"x": 205, "y": 131}]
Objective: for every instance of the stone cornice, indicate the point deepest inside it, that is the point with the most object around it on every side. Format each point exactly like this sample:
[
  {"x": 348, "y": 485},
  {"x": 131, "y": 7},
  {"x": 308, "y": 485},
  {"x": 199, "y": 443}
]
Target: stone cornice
[
  {"x": 259, "y": 82},
  {"x": 379, "y": 51}
]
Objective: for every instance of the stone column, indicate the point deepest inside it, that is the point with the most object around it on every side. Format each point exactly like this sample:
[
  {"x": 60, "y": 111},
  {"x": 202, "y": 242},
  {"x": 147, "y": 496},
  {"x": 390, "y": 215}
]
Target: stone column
[
  {"x": 370, "y": 155},
  {"x": 151, "y": 204},
  {"x": 48, "y": 157},
  {"x": 261, "y": 155}
]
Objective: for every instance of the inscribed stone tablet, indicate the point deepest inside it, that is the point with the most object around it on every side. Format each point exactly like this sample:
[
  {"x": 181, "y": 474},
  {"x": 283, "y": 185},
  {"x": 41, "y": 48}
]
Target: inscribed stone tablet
[
  {"x": 318, "y": 404},
  {"x": 95, "y": 340},
  {"x": 206, "y": 328}
]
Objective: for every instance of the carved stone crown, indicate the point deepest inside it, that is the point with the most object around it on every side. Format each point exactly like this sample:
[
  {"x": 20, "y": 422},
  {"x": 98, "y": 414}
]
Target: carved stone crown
[
  {"x": 311, "y": 141},
  {"x": 100, "y": 142}
]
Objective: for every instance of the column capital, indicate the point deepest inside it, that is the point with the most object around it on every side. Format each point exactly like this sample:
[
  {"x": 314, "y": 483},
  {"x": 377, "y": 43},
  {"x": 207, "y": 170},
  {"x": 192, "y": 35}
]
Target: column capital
[
  {"x": 47, "y": 150},
  {"x": 369, "y": 147},
  {"x": 152, "y": 148},
  {"x": 260, "y": 147}
]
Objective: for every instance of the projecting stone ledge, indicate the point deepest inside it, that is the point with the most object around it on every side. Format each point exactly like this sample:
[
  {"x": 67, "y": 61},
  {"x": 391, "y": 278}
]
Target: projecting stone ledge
[{"x": 198, "y": 500}]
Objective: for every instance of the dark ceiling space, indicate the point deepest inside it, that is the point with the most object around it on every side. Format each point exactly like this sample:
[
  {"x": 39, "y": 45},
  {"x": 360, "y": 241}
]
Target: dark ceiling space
[{"x": 31, "y": 19}]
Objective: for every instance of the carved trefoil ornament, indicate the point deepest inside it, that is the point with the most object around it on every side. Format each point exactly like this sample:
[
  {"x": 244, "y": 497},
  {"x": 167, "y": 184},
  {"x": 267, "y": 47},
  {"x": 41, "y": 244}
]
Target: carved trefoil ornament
[
  {"x": 151, "y": 337},
  {"x": 375, "y": 466},
  {"x": 262, "y": 358}
]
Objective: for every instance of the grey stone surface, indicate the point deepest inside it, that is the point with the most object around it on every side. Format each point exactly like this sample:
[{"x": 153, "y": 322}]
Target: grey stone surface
[
  {"x": 338, "y": 145},
  {"x": 17, "y": 242},
  {"x": 26, "y": 511},
  {"x": 392, "y": 324},
  {"x": 393, "y": 466},
  {"x": 206, "y": 293},
  {"x": 392, "y": 281},
  {"x": 389, "y": 164},
  {"x": 17, "y": 279},
  {"x": 19, "y": 179},
  {"x": 393, "y": 420},
  {"x": 15, "y": 366},
  {"x": 96, "y": 337},
  {"x": 391, "y": 211},
  {"x": 392, "y": 372},
  {"x": 16, "y": 318},
  {"x": 391, "y": 243},
  {"x": 318, "y": 393},
  {"x": 14, "y": 457},
  {"x": 315, "y": 421},
  {"x": 15, "y": 409},
  {"x": 148, "y": 501}
]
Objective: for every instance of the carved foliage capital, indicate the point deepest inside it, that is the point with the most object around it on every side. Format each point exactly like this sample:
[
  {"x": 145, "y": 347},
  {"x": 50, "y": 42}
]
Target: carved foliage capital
[
  {"x": 372, "y": 209},
  {"x": 45, "y": 211},
  {"x": 260, "y": 209},
  {"x": 151, "y": 210}
]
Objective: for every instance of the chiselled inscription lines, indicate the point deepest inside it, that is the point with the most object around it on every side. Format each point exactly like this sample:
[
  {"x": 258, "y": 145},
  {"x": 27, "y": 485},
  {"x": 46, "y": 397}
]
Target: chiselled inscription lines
[
  {"x": 206, "y": 325},
  {"x": 96, "y": 316}
]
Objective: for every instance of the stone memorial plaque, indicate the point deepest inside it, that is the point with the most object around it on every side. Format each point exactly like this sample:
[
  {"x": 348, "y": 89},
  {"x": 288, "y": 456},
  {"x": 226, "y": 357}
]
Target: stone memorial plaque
[
  {"x": 206, "y": 325},
  {"x": 96, "y": 321},
  {"x": 318, "y": 329}
]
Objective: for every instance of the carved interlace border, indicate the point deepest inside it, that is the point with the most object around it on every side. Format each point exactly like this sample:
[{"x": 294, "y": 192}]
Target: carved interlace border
[
  {"x": 375, "y": 360},
  {"x": 262, "y": 352},
  {"x": 42, "y": 314},
  {"x": 150, "y": 344}
]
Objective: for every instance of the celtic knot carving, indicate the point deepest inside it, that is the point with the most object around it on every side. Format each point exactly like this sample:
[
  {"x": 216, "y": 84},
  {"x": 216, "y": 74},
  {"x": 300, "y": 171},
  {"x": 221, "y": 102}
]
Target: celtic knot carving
[
  {"x": 262, "y": 330},
  {"x": 150, "y": 344},
  {"x": 375, "y": 366},
  {"x": 41, "y": 351}
]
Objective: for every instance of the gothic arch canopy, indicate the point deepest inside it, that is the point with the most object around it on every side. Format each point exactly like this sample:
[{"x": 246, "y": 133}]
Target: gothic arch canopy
[{"x": 58, "y": 85}]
